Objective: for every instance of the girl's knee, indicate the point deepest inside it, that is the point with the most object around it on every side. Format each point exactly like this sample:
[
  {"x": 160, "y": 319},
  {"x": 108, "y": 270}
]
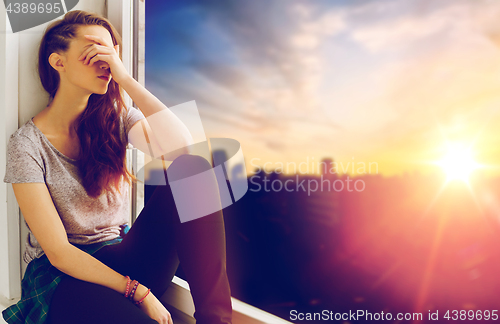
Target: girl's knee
[{"x": 187, "y": 165}]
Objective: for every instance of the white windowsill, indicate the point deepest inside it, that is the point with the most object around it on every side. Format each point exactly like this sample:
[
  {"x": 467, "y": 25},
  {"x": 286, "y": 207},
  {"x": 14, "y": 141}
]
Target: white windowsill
[{"x": 179, "y": 297}]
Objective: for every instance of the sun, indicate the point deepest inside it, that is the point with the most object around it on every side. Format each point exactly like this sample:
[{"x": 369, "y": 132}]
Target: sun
[{"x": 458, "y": 162}]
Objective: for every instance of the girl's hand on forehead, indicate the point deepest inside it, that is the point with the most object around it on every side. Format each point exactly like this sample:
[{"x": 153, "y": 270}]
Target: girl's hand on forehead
[
  {"x": 102, "y": 50},
  {"x": 102, "y": 46}
]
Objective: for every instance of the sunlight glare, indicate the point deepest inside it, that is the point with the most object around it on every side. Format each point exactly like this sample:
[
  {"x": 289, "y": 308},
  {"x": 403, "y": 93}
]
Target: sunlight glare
[{"x": 458, "y": 163}]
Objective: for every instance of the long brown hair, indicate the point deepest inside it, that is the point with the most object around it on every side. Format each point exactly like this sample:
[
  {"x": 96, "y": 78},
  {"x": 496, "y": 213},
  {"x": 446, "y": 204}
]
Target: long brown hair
[{"x": 102, "y": 157}]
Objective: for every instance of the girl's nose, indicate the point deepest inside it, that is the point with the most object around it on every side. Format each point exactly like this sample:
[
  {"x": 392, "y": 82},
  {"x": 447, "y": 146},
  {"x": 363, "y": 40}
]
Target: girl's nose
[{"x": 103, "y": 65}]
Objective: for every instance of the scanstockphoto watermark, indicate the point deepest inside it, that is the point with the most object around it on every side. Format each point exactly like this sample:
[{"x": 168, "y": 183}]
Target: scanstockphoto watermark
[
  {"x": 311, "y": 166},
  {"x": 325, "y": 182},
  {"x": 306, "y": 185}
]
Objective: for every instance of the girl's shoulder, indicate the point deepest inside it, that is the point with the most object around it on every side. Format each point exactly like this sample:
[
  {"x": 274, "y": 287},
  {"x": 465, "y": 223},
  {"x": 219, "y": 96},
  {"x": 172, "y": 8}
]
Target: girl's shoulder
[
  {"x": 27, "y": 134},
  {"x": 25, "y": 137},
  {"x": 25, "y": 162}
]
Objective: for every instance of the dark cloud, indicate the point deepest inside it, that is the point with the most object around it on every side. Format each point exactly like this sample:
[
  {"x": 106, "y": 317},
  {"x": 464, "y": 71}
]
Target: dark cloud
[
  {"x": 259, "y": 33},
  {"x": 230, "y": 77}
]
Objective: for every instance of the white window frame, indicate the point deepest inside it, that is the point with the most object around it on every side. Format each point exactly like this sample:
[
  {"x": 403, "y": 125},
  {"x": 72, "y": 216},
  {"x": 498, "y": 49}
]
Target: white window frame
[
  {"x": 127, "y": 17},
  {"x": 10, "y": 271}
]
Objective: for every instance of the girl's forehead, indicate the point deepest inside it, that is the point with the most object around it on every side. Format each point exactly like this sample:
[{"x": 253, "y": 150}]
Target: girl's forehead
[{"x": 93, "y": 30}]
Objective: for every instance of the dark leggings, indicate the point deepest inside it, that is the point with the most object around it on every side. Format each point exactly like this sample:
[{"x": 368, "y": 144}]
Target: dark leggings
[{"x": 150, "y": 253}]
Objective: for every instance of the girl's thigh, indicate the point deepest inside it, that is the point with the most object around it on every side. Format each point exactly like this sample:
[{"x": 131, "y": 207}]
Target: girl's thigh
[{"x": 76, "y": 301}]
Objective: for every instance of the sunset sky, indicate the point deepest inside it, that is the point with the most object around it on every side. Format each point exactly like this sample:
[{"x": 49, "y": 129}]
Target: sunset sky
[{"x": 366, "y": 81}]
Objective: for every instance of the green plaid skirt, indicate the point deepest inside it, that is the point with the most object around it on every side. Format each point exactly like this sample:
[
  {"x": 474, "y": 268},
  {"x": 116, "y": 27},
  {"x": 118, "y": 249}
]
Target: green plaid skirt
[{"x": 39, "y": 283}]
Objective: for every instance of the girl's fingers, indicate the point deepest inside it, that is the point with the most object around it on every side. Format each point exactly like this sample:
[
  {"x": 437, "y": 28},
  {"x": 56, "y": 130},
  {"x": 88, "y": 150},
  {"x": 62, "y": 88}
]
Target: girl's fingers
[
  {"x": 98, "y": 39},
  {"x": 88, "y": 49},
  {"x": 89, "y": 57},
  {"x": 100, "y": 57},
  {"x": 84, "y": 53},
  {"x": 94, "y": 47},
  {"x": 96, "y": 58},
  {"x": 94, "y": 51},
  {"x": 92, "y": 37},
  {"x": 91, "y": 51}
]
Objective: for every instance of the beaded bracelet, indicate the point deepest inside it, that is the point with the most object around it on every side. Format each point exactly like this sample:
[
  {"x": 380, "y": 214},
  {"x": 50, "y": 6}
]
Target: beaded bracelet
[
  {"x": 127, "y": 291},
  {"x": 142, "y": 299},
  {"x": 136, "y": 284}
]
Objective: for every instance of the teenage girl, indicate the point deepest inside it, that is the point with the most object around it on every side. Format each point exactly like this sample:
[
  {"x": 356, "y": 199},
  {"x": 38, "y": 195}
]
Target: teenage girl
[{"x": 68, "y": 172}]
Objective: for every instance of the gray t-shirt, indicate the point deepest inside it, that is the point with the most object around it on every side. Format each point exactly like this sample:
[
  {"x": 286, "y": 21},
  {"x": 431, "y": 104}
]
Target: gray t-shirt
[{"x": 32, "y": 158}]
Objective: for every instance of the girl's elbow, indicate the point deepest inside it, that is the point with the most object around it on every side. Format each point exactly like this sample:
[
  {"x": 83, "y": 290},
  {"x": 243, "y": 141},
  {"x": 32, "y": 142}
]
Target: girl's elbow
[{"x": 57, "y": 256}]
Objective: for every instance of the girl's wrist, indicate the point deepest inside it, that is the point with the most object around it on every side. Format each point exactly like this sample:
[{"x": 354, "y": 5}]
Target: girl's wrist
[
  {"x": 140, "y": 292},
  {"x": 126, "y": 285},
  {"x": 125, "y": 81}
]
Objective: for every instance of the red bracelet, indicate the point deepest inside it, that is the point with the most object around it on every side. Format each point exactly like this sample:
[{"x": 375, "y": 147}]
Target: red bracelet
[
  {"x": 142, "y": 299},
  {"x": 128, "y": 287},
  {"x": 132, "y": 293}
]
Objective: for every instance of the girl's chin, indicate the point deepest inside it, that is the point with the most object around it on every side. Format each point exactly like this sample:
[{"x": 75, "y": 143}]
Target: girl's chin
[{"x": 102, "y": 91}]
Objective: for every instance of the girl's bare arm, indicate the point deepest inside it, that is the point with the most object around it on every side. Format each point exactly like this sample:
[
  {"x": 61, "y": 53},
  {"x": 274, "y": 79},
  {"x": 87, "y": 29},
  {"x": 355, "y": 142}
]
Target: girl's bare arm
[{"x": 44, "y": 222}]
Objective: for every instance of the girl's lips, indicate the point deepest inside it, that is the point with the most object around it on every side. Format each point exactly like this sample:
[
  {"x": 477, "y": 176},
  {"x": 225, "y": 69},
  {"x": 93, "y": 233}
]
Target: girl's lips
[{"x": 104, "y": 78}]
